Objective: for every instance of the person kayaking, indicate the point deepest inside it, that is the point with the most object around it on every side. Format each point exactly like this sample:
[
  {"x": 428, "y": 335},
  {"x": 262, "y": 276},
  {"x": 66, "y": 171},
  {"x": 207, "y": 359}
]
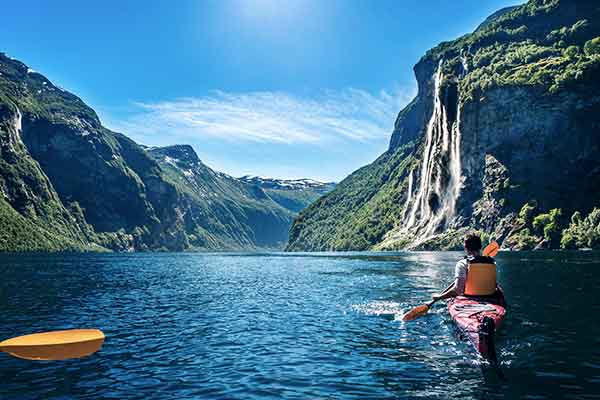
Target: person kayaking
[
  {"x": 476, "y": 302},
  {"x": 474, "y": 275}
]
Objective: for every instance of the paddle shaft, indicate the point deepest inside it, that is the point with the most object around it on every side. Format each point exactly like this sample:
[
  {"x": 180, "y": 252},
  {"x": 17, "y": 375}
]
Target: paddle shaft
[{"x": 432, "y": 302}]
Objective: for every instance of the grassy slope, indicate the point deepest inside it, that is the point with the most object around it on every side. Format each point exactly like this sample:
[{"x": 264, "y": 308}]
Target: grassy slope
[
  {"x": 18, "y": 233},
  {"x": 359, "y": 211}
]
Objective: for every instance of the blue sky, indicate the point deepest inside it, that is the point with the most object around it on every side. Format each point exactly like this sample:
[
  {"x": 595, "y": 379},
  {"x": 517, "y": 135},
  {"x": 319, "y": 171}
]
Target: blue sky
[{"x": 287, "y": 89}]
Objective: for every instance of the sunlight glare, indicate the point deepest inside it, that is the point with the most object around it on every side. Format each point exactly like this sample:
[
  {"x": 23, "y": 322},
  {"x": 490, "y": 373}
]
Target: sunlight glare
[{"x": 272, "y": 12}]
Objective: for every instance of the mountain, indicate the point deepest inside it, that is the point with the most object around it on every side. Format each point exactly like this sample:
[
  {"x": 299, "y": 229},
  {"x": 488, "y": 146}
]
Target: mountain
[
  {"x": 292, "y": 194},
  {"x": 495, "y": 16},
  {"x": 502, "y": 138},
  {"x": 222, "y": 212},
  {"x": 67, "y": 183}
]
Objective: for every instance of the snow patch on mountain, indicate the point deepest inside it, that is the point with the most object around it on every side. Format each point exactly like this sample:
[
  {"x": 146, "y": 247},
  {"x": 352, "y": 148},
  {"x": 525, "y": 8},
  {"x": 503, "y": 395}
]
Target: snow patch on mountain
[{"x": 285, "y": 184}]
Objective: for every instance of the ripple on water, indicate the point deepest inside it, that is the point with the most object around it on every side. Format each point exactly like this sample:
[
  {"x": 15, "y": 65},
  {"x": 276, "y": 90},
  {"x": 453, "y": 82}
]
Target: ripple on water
[{"x": 379, "y": 308}]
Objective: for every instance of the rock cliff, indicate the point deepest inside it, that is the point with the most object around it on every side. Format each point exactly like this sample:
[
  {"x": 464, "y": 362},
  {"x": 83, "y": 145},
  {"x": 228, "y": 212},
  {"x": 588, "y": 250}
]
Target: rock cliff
[{"x": 504, "y": 117}]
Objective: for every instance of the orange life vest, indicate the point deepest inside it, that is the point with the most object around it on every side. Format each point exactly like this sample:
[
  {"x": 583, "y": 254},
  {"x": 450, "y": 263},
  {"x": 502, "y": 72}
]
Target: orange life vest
[{"x": 481, "y": 276}]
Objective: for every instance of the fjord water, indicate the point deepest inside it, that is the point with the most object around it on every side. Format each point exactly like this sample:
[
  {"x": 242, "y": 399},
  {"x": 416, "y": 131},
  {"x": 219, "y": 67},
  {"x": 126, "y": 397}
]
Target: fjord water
[{"x": 253, "y": 326}]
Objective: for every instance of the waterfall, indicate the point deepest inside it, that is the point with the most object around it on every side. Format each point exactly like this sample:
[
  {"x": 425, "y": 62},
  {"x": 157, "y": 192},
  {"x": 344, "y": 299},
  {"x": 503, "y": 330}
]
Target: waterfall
[
  {"x": 410, "y": 191},
  {"x": 14, "y": 140},
  {"x": 463, "y": 61},
  {"x": 433, "y": 205},
  {"x": 18, "y": 124}
]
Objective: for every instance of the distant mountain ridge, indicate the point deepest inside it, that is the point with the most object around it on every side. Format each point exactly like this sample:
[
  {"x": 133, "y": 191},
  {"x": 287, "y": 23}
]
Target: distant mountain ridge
[
  {"x": 67, "y": 183},
  {"x": 274, "y": 183},
  {"x": 292, "y": 194}
]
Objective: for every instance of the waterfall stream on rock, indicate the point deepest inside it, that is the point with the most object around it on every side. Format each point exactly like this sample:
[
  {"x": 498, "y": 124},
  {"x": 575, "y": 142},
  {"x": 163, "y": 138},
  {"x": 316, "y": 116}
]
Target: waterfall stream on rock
[
  {"x": 434, "y": 204},
  {"x": 18, "y": 119},
  {"x": 410, "y": 191},
  {"x": 15, "y": 139}
]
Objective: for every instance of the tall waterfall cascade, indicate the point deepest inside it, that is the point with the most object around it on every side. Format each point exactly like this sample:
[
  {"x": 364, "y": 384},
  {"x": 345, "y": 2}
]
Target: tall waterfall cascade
[
  {"x": 410, "y": 191},
  {"x": 15, "y": 138},
  {"x": 18, "y": 121},
  {"x": 432, "y": 207}
]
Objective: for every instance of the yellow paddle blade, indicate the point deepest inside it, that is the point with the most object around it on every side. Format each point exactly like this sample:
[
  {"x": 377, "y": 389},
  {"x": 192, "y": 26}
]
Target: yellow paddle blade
[
  {"x": 56, "y": 345},
  {"x": 415, "y": 313},
  {"x": 491, "y": 249}
]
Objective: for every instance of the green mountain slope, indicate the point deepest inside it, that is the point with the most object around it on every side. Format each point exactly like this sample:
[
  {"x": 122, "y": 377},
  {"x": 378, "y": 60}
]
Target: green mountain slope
[
  {"x": 32, "y": 216},
  {"x": 68, "y": 183},
  {"x": 505, "y": 117},
  {"x": 225, "y": 212}
]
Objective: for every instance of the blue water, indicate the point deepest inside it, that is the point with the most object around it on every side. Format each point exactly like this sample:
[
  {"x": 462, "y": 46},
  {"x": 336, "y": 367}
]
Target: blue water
[{"x": 249, "y": 326}]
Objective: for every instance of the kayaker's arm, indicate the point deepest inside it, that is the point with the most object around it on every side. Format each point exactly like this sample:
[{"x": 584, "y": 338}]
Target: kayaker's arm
[
  {"x": 449, "y": 292},
  {"x": 457, "y": 287}
]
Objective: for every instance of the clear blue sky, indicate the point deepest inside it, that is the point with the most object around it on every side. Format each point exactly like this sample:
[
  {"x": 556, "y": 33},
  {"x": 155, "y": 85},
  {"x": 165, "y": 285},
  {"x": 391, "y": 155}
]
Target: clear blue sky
[{"x": 294, "y": 88}]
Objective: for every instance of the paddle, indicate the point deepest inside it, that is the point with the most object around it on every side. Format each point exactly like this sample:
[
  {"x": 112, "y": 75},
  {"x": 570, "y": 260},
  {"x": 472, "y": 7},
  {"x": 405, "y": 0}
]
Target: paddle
[
  {"x": 490, "y": 251},
  {"x": 56, "y": 345},
  {"x": 420, "y": 310}
]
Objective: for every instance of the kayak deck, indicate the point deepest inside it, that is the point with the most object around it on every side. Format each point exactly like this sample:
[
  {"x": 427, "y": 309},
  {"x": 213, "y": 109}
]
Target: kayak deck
[{"x": 478, "y": 318}]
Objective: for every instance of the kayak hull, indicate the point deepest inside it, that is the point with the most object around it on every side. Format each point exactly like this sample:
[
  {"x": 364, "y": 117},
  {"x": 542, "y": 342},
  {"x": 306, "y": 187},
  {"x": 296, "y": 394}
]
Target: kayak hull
[{"x": 478, "y": 318}]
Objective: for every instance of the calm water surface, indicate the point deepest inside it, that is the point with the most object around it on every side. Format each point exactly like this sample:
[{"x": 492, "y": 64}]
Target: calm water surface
[{"x": 248, "y": 326}]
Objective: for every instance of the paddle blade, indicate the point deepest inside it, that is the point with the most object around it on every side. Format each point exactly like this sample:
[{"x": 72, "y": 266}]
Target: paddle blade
[
  {"x": 415, "y": 313},
  {"x": 491, "y": 249},
  {"x": 56, "y": 345}
]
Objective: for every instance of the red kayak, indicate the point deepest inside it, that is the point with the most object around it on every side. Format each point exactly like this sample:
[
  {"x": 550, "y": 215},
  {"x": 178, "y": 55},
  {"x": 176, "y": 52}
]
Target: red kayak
[{"x": 478, "y": 318}]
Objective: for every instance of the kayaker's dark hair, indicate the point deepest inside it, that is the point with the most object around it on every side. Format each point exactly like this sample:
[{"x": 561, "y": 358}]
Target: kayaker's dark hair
[{"x": 473, "y": 242}]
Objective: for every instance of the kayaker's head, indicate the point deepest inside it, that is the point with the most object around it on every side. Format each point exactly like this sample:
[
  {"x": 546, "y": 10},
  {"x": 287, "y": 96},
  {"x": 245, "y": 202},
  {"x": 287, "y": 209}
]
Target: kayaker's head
[{"x": 473, "y": 244}]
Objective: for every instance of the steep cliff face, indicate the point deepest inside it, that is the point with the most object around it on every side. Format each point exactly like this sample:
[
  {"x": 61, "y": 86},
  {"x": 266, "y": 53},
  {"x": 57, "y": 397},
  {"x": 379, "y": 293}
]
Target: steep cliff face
[
  {"x": 68, "y": 183},
  {"x": 112, "y": 188},
  {"x": 504, "y": 116},
  {"x": 32, "y": 216}
]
